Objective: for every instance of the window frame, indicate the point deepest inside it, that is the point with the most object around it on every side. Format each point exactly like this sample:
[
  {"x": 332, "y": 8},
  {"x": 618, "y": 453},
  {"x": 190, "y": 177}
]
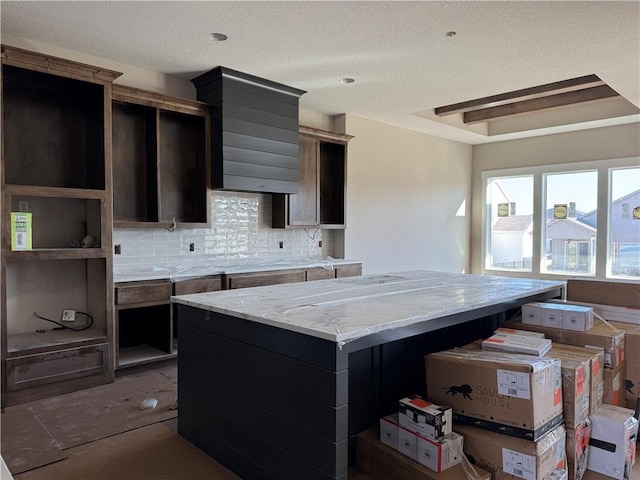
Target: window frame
[{"x": 603, "y": 170}]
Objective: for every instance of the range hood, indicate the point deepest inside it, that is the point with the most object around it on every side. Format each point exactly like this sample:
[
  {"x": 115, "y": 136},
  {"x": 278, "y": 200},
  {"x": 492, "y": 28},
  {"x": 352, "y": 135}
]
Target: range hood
[{"x": 254, "y": 131}]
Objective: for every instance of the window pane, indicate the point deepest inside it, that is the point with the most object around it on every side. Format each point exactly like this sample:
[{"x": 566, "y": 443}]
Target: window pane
[
  {"x": 624, "y": 234},
  {"x": 510, "y": 201},
  {"x": 571, "y": 219}
]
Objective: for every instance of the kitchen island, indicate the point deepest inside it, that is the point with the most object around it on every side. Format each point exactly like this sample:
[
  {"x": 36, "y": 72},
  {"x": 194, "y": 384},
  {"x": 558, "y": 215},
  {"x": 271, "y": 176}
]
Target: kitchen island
[{"x": 275, "y": 380}]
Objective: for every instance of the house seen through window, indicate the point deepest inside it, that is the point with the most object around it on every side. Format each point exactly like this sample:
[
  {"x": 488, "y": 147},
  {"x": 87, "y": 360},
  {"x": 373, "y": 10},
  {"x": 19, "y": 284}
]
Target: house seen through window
[{"x": 586, "y": 222}]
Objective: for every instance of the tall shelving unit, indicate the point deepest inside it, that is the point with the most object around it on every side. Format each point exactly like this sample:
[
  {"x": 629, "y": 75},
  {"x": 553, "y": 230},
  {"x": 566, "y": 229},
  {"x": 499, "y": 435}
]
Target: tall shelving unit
[{"x": 56, "y": 164}]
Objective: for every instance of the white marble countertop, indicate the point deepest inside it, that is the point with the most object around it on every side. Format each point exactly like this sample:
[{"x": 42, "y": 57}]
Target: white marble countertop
[
  {"x": 345, "y": 309},
  {"x": 201, "y": 266}
]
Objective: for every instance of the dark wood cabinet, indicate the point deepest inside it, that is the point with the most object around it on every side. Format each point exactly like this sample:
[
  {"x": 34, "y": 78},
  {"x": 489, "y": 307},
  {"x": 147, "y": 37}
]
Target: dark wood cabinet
[
  {"x": 146, "y": 329},
  {"x": 320, "y": 201},
  {"x": 56, "y": 159},
  {"x": 161, "y": 160}
]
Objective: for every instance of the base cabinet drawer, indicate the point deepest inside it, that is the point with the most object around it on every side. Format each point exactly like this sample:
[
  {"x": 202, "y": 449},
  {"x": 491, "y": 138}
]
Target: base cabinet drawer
[
  {"x": 197, "y": 285},
  {"x": 320, "y": 273},
  {"x": 246, "y": 280},
  {"x": 353, "y": 270},
  {"x": 42, "y": 368},
  {"x": 141, "y": 292}
]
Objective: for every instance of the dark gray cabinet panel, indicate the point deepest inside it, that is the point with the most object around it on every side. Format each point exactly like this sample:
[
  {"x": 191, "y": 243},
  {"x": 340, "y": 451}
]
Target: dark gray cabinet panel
[{"x": 254, "y": 131}]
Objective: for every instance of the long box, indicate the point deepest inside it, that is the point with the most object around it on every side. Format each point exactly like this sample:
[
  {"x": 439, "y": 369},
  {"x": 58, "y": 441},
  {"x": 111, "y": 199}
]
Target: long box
[
  {"x": 632, "y": 352},
  {"x": 514, "y": 343},
  {"x": 575, "y": 387},
  {"x": 512, "y": 458},
  {"x": 614, "y": 383},
  {"x": 578, "y": 450},
  {"x": 601, "y": 335},
  {"x": 604, "y": 292},
  {"x": 380, "y": 462},
  {"x": 389, "y": 430},
  {"x": 613, "y": 442},
  {"x": 519, "y": 395},
  {"x": 596, "y": 358},
  {"x": 425, "y": 418}
]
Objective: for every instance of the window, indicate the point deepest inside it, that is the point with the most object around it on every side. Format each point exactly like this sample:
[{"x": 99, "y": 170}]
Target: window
[
  {"x": 570, "y": 225},
  {"x": 575, "y": 219},
  {"x": 624, "y": 221},
  {"x": 510, "y": 243}
]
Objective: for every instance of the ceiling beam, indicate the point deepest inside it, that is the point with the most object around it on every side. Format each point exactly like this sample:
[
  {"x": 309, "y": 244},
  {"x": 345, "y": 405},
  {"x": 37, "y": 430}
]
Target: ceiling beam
[
  {"x": 531, "y": 93},
  {"x": 542, "y": 103}
]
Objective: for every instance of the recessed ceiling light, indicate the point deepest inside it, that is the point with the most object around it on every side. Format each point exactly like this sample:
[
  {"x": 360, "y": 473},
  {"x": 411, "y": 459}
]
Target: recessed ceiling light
[
  {"x": 217, "y": 37},
  {"x": 450, "y": 33},
  {"x": 347, "y": 80}
]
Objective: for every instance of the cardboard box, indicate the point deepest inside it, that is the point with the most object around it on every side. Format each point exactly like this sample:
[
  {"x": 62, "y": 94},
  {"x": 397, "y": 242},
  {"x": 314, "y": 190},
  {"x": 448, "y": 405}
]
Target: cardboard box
[
  {"x": 425, "y": 418},
  {"x": 514, "y": 343},
  {"x": 21, "y": 233},
  {"x": 389, "y": 430},
  {"x": 601, "y": 335},
  {"x": 575, "y": 388},
  {"x": 511, "y": 458},
  {"x": 613, "y": 442},
  {"x": 578, "y": 450},
  {"x": 614, "y": 383},
  {"x": 632, "y": 352},
  {"x": 519, "y": 332},
  {"x": 519, "y": 395},
  {"x": 604, "y": 292},
  {"x": 596, "y": 378},
  {"x": 552, "y": 315},
  {"x": 532, "y": 313},
  {"x": 609, "y": 312},
  {"x": 441, "y": 454},
  {"x": 380, "y": 462},
  {"x": 407, "y": 442},
  {"x": 576, "y": 317}
]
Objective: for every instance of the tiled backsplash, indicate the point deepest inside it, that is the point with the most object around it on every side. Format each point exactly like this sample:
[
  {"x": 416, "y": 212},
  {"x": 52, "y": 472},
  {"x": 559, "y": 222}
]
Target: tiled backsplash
[{"x": 240, "y": 228}]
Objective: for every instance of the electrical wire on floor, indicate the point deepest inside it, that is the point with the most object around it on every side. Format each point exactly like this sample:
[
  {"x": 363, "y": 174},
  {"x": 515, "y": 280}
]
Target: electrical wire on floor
[{"x": 66, "y": 327}]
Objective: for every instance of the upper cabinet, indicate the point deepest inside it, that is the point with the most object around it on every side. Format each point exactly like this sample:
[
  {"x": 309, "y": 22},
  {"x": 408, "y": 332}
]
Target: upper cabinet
[
  {"x": 161, "y": 160},
  {"x": 320, "y": 201},
  {"x": 56, "y": 178},
  {"x": 254, "y": 131}
]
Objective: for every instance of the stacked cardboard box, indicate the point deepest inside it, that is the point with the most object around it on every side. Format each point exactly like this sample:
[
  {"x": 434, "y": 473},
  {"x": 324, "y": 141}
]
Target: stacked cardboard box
[
  {"x": 508, "y": 457},
  {"x": 509, "y": 405},
  {"x": 423, "y": 432},
  {"x": 381, "y": 462}
]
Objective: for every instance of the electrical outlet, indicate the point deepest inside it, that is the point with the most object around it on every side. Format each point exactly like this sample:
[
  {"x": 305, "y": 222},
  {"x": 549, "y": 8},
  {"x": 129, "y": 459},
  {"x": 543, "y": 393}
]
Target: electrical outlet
[
  {"x": 320, "y": 244},
  {"x": 281, "y": 244},
  {"x": 68, "y": 315},
  {"x": 117, "y": 249},
  {"x": 192, "y": 247}
]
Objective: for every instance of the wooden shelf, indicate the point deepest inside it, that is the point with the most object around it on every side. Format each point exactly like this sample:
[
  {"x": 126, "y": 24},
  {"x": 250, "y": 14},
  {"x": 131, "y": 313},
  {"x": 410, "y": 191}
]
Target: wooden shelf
[
  {"x": 141, "y": 354},
  {"x": 56, "y": 254},
  {"x": 62, "y": 192}
]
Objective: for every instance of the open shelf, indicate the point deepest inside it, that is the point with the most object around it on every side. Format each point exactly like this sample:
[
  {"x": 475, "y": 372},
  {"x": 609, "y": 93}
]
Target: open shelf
[
  {"x": 141, "y": 354},
  {"x": 53, "y": 130},
  {"x": 144, "y": 334}
]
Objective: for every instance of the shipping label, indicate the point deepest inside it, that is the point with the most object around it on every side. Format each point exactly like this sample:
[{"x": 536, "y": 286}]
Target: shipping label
[
  {"x": 519, "y": 464},
  {"x": 514, "y": 384}
]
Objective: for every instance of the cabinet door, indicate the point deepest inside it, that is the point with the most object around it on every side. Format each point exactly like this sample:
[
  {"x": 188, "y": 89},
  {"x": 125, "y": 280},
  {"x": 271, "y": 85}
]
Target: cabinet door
[{"x": 304, "y": 206}]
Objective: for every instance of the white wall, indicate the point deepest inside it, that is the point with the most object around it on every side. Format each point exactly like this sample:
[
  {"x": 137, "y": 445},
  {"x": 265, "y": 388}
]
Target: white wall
[
  {"x": 404, "y": 196},
  {"x": 573, "y": 147}
]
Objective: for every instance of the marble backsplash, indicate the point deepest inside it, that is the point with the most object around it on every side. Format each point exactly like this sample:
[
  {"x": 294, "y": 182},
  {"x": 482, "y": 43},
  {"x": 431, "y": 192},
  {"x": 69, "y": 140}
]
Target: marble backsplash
[{"x": 240, "y": 229}]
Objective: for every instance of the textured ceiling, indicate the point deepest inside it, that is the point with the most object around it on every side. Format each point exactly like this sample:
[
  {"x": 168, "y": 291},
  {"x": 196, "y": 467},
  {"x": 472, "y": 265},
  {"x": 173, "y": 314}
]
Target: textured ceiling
[{"x": 403, "y": 63}]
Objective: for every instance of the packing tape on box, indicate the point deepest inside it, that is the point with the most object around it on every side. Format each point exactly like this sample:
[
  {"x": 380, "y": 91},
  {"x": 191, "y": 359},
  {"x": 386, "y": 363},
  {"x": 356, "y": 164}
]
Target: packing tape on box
[
  {"x": 469, "y": 471},
  {"x": 606, "y": 323}
]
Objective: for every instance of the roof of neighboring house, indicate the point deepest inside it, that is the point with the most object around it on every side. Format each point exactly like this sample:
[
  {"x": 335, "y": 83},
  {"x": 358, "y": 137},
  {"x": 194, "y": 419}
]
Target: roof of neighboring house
[
  {"x": 574, "y": 221},
  {"x": 515, "y": 223}
]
